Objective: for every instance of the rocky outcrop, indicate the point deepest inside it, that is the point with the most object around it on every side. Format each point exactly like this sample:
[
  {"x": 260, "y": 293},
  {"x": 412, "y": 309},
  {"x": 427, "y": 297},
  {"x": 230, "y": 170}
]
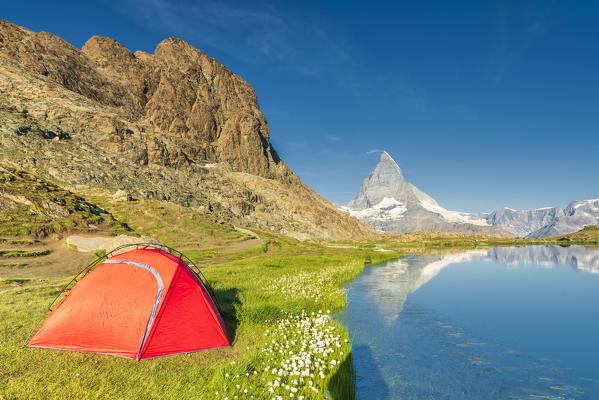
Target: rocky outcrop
[
  {"x": 386, "y": 181},
  {"x": 523, "y": 222},
  {"x": 178, "y": 104},
  {"x": 175, "y": 125},
  {"x": 549, "y": 221}
]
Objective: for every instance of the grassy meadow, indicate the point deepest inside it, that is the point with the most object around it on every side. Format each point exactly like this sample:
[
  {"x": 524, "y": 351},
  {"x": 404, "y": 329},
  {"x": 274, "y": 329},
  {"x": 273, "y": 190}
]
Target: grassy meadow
[{"x": 276, "y": 298}]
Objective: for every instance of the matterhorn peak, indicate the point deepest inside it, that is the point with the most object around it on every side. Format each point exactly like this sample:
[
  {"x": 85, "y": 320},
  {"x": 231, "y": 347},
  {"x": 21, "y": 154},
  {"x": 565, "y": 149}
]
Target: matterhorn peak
[
  {"x": 385, "y": 180},
  {"x": 386, "y": 157},
  {"x": 388, "y": 203},
  {"x": 387, "y": 162}
]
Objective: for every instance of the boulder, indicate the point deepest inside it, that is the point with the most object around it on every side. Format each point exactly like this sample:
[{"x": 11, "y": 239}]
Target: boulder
[
  {"x": 121, "y": 195},
  {"x": 88, "y": 244}
]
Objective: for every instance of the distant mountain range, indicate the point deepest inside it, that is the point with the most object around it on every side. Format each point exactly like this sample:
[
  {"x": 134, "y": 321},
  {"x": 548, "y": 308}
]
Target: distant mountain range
[{"x": 389, "y": 203}]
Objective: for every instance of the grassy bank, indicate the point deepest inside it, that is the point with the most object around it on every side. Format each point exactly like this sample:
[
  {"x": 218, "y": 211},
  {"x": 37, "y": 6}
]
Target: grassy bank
[
  {"x": 589, "y": 235},
  {"x": 276, "y": 297}
]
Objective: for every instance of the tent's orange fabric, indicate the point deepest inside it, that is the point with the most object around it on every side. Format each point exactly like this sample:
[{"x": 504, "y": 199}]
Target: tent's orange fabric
[{"x": 140, "y": 304}]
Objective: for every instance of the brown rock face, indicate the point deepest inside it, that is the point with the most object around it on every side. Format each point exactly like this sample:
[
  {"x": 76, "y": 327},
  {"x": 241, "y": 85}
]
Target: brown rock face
[
  {"x": 197, "y": 109},
  {"x": 154, "y": 125}
]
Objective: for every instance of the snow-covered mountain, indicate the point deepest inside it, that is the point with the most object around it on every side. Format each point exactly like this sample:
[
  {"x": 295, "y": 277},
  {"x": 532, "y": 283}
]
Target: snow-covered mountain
[
  {"x": 578, "y": 214},
  {"x": 388, "y": 203},
  {"x": 548, "y": 221},
  {"x": 523, "y": 222}
]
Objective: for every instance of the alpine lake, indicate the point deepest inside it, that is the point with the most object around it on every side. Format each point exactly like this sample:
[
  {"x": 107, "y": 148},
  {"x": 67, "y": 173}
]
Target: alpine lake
[{"x": 498, "y": 323}]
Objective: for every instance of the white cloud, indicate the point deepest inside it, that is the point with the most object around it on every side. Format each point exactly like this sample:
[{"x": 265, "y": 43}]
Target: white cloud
[{"x": 333, "y": 138}]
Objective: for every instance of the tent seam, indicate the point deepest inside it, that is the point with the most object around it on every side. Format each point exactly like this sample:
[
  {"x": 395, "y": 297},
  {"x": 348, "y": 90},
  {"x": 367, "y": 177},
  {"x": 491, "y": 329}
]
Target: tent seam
[
  {"x": 158, "y": 295},
  {"x": 163, "y": 305}
]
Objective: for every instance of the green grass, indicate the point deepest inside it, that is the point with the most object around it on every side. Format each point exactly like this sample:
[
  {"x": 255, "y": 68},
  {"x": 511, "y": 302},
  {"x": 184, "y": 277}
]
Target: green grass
[
  {"x": 434, "y": 240},
  {"x": 39, "y": 207},
  {"x": 16, "y": 241},
  {"x": 199, "y": 256},
  {"x": 589, "y": 235},
  {"x": 248, "y": 291},
  {"x": 100, "y": 253},
  {"x": 23, "y": 253},
  {"x": 172, "y": 224},
  {"x": 15, "y": 228},
  {"x": 17, "y": 281}
]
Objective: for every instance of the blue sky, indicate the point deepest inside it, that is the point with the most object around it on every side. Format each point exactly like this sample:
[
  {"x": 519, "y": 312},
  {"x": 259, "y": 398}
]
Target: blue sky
[{"x": 483, "y": 104}]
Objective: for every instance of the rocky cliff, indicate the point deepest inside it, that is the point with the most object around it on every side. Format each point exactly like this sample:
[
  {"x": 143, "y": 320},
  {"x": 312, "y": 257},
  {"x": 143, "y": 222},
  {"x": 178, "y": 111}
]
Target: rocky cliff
[
  {"x": 523, "y": 222},
  {"x": 574, "y": 217},
  {"x": 548, "y": 221},
  {"x": 174, "y": 125}
]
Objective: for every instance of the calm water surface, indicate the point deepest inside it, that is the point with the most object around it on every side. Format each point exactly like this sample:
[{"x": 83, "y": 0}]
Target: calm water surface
[{"x": 505, "y": 323}]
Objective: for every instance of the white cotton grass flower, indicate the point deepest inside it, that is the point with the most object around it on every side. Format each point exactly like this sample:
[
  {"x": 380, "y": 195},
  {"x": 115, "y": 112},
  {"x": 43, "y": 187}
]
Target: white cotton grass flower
[
  {"x": 301, "y": 353},
  {"x": 315, "y": 286}
]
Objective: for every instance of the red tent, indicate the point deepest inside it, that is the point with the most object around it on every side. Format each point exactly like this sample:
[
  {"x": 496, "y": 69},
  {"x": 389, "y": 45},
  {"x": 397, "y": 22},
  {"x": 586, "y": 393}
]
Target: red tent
[{"x": 140, "y": 304}]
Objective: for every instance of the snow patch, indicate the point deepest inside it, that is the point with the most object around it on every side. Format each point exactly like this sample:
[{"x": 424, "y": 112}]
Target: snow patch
[
  {"x": 585, "y": 202},
  {"x": 386, "y": 209},
  {"x": 534, "y": 209},
  {"x": 452, "y": 216}
]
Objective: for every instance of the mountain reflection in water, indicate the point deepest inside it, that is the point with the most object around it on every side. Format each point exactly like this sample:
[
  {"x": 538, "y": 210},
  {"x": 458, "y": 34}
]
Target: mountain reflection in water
[
  {"x": 513, "y": 323},
  {"x": 391, "y": 286}
]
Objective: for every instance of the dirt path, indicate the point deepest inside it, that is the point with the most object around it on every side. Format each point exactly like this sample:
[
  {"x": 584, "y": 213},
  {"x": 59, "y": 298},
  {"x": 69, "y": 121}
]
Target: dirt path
[
  {"x": 244, "y": 245},
  {"x": 62, "y": 261}
]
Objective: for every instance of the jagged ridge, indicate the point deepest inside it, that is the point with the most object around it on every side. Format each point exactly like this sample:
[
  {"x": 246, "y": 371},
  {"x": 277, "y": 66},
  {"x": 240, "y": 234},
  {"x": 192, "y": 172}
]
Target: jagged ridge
[{"x": 174, "y": 125}]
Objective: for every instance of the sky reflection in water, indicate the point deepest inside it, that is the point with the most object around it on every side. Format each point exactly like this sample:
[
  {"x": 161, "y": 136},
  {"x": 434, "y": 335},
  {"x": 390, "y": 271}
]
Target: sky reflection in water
[{"x": 504, "y": 323}]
